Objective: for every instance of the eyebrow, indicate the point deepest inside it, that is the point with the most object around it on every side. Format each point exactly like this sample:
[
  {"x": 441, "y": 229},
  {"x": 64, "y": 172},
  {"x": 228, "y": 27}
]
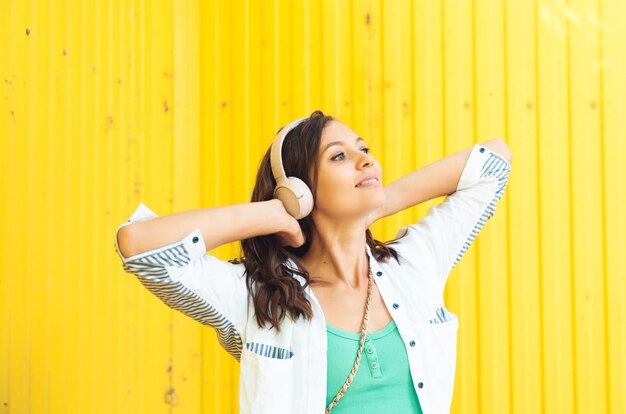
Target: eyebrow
[{"x": 330, "y": 144}]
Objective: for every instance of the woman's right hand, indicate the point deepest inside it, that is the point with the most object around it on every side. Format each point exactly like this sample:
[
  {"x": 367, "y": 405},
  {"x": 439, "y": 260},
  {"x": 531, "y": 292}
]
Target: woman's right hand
[{"x": 291, "y": 232}]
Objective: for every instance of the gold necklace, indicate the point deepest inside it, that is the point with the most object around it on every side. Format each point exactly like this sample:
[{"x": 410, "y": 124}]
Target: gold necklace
[{"x": 355, "y": 368}]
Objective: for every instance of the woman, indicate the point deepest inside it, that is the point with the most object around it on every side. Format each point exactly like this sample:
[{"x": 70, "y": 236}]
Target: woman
[{"x": 338, "y": 321}]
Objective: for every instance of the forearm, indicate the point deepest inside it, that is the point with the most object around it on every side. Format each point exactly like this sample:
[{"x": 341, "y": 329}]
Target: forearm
[
  {"x": 218, "y": 226},
  {"x": 434, "y": 180}
]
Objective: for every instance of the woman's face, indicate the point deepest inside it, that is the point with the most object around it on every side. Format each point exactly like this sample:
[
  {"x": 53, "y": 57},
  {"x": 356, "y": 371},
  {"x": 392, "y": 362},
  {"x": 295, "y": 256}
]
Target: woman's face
[{"x": 343, "y": 188}]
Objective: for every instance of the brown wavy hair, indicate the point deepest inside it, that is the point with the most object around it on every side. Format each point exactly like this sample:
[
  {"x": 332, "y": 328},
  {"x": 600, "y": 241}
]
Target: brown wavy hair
[{"x": 270, "y": 282}]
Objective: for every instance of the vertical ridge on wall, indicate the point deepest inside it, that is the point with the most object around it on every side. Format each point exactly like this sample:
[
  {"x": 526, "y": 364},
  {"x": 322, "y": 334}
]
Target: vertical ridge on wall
[
  {"x": 43, "y": 300},
  {"x": 521, "y": 126},
  {"x": 554, "y": 209},
  {"x": 7, "y": 119},
  {"x": 34, "y": 189},
  {"x": 62, "y": 208},
  {"x": 605, "y": 293},
  {"x": 100, "y": 130},
  {"x": 613, "y": 106},
  {"x": 536, "y": 204},
  {"x": 587, "y": 245}
]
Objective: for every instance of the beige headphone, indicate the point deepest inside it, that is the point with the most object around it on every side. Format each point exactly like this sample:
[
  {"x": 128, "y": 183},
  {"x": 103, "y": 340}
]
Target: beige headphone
[{"x": 292, "y": 191}]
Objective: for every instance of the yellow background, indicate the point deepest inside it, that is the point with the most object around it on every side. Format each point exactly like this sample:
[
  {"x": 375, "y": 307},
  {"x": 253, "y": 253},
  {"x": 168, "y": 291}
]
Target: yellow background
[{"x": 108, "y": 104}]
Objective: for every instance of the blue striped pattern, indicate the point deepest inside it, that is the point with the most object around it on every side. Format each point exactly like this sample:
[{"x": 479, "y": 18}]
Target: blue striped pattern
[
  {"x": 440, "y": 316},
  {"x": 494, "y": 166},
  {"x": 151, "y": 271},
  {"x": 268, "y": 350}
]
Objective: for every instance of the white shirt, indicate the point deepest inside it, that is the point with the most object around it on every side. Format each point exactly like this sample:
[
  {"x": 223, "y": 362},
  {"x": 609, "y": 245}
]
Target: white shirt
[{"x": 286, "y": 372}]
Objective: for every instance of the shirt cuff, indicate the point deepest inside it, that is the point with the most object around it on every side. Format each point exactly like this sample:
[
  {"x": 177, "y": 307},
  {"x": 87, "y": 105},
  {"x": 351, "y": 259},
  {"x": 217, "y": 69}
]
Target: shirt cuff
[
  {"x": 482, "y": 163},
  {"x": 193, "y": 242}
]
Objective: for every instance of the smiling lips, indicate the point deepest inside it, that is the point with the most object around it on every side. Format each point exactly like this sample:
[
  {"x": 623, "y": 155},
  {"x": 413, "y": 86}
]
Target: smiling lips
[{"x": 369, "y": 181}]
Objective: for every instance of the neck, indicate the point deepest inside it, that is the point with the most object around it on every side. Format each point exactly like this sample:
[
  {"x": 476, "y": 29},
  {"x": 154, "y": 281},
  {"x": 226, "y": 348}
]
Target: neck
[{"x": 337, "y": 255}]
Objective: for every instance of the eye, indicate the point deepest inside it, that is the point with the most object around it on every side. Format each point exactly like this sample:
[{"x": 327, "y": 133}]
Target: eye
[{"x": 335, "y": 158}]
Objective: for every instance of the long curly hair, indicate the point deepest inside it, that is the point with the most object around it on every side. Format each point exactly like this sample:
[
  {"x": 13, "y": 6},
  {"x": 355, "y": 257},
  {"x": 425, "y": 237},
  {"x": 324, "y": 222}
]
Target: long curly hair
[{"x": 270, "y": 281}]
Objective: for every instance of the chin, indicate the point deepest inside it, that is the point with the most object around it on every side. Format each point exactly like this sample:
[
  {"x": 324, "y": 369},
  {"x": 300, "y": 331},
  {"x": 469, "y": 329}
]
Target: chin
[{"x": 376, "y": 198}]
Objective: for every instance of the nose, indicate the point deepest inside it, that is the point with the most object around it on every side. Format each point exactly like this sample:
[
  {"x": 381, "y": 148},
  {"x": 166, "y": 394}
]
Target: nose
[{"x": 366, "y": 160}]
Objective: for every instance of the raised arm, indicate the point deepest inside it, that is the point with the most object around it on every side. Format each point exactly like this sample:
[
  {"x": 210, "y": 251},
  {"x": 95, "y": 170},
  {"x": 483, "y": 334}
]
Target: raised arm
[
  {"x": 434, "y": 180},
  {"x": 218, "y": 226},
  {"x": 168, "y": 255}
]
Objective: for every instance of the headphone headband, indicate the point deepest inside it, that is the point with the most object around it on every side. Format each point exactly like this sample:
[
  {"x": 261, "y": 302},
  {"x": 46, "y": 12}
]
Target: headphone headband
[{"x": 277, "y": 147}]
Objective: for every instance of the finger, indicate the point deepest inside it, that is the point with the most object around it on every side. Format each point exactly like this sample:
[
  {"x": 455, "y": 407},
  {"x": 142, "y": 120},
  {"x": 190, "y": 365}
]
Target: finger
[{"x": 300, "y": 239}]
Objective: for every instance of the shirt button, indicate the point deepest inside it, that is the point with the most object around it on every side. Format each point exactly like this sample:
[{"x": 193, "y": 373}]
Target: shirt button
[
  {"x": 370, "y": 350},
  {"x": 396, "y": 306},
  {"x": 481, "y": 149},
  {"x": 412, "y": 343},
  {"x": 379, "y": 273},
  {"x": 195, "y": 239},
  {"x": 420, "y": 385},
  {"x": 375, "y": 365}
]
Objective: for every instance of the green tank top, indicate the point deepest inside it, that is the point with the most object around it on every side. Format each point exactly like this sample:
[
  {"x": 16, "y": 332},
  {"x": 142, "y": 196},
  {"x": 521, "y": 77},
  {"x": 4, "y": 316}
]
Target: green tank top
[{"x": 383, "y": 383}]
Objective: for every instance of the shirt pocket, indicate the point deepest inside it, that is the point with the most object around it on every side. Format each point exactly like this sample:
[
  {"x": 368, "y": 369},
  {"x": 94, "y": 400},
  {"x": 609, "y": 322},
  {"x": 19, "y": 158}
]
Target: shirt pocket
[
  {"x": 270, "y": 364},
  {"x": 267, "y": 377},
  {"x": 439, "y": 337},
  {"x": 440, "y": 333},
  {"x": 442, "y": 315},
  {"x": 269, "y": 351}
]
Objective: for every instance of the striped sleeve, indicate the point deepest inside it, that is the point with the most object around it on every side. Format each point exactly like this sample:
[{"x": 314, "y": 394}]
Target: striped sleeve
[
  {"x": 450, "y": 227},
  {"x": 209, "y": 290}
]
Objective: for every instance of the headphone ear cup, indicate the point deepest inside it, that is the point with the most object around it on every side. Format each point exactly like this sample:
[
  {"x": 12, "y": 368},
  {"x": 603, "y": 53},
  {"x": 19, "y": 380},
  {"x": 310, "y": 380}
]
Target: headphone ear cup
[
  {"x": 295, "y": 196},
  {"x": 305, "y": 196}
]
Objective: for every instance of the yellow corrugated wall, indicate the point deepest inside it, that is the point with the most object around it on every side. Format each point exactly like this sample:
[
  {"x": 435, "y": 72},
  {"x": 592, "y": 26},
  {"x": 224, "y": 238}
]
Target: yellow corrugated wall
[{"x": 108, "y": 104}]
